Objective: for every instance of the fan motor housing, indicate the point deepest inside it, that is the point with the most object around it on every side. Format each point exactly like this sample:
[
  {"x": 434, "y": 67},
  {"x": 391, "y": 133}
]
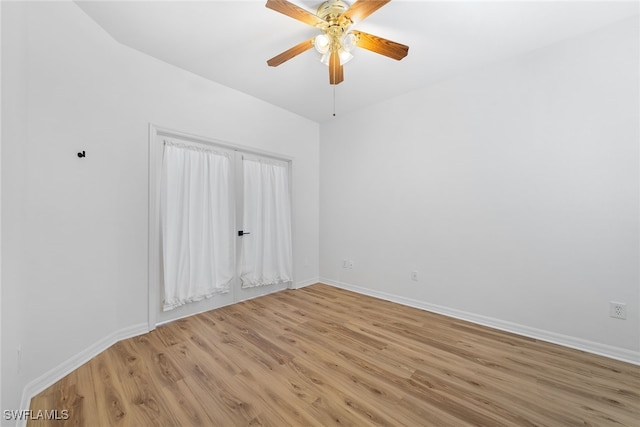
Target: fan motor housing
[{"x": 331, "y": 9}]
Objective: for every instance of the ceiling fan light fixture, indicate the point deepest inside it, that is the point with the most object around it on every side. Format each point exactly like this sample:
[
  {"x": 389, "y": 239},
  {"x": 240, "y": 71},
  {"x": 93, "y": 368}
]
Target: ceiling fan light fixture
[
  {"x": 349, "y": 41},
  {"x": 344, "y": 56},
  {"x": 322, "y": 43}
]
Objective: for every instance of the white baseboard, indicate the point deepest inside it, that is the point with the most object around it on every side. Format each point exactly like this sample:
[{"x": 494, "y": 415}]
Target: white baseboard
[
  {"x": 303, "y": 283},
  {"x": 53, "y": 375},
  {"x": 612, "y": 352}
]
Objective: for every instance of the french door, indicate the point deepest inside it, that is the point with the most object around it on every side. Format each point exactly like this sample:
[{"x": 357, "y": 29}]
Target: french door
[{"x": 233, "y": 244}]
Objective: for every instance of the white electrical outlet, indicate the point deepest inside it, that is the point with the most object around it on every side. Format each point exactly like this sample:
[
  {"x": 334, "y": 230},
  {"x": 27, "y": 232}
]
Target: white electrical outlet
[
  {"x": 347, "y": 263},
  {"x": 617, "y": 310},
  {"x": 350, "y": 264},
  {"x": 414, "y": 276}
]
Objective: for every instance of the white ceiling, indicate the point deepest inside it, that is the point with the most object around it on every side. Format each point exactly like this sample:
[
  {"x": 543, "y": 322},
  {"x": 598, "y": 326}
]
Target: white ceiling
[{"x": 229, "y": 42}]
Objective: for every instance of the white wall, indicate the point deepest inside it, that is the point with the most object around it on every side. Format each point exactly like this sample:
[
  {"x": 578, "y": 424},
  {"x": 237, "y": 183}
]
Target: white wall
[
  {"x": 13, "y": 297},
  {"x": 512, "y": 190},
  {"x": 75, "y": 246},
  {"x": 0, "y": 205}
]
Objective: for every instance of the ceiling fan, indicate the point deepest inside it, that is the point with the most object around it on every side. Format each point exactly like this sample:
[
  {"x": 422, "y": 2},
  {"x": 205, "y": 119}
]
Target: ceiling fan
[{"x": 334, "y": 19}]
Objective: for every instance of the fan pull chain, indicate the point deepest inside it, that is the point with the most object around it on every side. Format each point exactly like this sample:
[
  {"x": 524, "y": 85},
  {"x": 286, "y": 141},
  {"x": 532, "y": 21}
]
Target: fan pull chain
[{"x": 334, "y": 100}]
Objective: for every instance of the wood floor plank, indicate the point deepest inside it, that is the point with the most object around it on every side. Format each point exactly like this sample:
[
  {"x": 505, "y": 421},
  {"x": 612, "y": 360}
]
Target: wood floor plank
[
  {"x": 322, "y": 356},
  {"x": 132, "y": 373},
  {"x": 112, "y": 405},
  {"x": 184, "y": 404}
]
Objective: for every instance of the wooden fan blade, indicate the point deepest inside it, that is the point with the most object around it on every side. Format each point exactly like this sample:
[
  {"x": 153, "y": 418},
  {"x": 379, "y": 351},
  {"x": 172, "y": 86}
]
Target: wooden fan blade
[
  {"x": 295, "y": 12},
  {"x": 336, "y": 71},
  {"x": 379, "y": 45},
  {"x": 363, "y": 8},
  {"x": 290, "y": 53}
]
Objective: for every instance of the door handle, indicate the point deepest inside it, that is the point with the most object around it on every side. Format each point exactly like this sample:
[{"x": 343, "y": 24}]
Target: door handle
[{"x": 242, "y": 233}]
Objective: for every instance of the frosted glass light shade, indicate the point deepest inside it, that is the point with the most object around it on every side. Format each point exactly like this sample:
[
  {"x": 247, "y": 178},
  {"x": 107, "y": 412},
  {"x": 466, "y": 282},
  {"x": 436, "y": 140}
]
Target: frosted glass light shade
[
  {"x": 349, "y": 42},
  {"x": 343, "y": 54},
  {"x": 322, "y": 43}
]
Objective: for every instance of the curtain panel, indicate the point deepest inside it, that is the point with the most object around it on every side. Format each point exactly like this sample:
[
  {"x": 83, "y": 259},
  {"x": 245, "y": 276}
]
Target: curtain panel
[
  {"x": 266, "y": 256},
  {"x": 196, "y": 223}
]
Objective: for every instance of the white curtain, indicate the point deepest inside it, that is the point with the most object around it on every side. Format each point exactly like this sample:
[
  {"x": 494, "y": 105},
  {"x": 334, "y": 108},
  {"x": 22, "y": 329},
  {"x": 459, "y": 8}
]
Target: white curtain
[
  {"x": 266, "y": 252},
  {"x": 197, "y": 244}
]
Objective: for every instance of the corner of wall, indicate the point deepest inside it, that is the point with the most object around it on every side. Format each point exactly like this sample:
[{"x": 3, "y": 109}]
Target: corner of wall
[{"x": 304, "y": 283}]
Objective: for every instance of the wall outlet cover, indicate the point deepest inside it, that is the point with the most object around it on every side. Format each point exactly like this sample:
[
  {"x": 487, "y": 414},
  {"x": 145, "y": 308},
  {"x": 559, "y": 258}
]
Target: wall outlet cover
[{"x": 617, "y": 310}]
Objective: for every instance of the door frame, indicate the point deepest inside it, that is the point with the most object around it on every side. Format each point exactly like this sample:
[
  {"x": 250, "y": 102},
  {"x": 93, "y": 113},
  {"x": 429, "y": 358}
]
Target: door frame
[{"x": 156, "y": 135}]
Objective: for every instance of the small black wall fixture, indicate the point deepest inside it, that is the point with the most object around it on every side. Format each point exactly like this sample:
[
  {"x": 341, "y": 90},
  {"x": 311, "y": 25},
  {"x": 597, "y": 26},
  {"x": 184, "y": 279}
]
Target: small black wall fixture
[{"x": 81, "y": 155}]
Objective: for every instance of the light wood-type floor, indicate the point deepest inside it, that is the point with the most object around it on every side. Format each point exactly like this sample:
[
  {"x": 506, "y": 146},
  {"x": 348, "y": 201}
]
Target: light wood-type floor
[{"x": 322, "y": 356}]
